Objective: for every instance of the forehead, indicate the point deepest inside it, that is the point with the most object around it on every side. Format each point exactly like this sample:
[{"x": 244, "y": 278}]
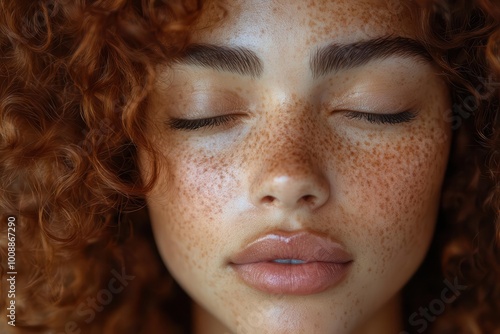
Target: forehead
[{"x": 302, "y": 23}]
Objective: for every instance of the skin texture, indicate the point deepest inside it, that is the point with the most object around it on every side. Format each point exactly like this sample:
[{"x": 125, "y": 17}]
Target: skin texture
[{"x": 291, "y": 160}]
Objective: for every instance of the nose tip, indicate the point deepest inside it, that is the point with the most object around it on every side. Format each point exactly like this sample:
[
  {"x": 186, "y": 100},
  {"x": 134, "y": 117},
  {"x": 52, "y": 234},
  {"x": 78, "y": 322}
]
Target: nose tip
[{"x": 287, "y": 192}]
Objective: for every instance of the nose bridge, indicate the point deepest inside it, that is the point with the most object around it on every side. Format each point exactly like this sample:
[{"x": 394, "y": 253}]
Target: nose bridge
[
  {"x": 292, "y": 133},
  {"x": 290, "y": 153}
]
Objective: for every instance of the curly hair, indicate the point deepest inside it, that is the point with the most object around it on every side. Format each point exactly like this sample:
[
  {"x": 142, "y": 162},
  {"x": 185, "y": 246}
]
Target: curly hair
[
  {"x": 463, "y": 37},
  {"x": 75, "y": 77}
]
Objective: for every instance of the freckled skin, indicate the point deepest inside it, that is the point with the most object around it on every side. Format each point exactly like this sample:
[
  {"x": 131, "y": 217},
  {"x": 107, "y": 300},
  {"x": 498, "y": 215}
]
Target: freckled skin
[{"x": 294, "y": 161}]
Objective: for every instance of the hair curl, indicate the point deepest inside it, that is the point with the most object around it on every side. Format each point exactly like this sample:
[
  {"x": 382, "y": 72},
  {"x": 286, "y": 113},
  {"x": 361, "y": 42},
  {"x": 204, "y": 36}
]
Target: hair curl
[{"x": 75, "y": 77}]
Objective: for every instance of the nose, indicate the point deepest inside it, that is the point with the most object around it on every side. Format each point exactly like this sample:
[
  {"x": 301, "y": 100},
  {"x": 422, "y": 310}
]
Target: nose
[{"x": 289, "y": 177}]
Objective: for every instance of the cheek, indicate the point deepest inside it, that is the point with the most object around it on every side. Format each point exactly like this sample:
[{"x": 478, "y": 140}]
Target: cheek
[
  {"x": 392, "y": 189},
  {"x": 186, "y": 211}
]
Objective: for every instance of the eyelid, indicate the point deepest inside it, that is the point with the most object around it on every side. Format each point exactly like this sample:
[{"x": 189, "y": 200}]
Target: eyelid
[{"x": 405, "y": 116}]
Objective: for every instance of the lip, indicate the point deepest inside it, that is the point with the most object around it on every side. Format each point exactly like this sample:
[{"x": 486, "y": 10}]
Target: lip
[{"x": 326, "y": 263}]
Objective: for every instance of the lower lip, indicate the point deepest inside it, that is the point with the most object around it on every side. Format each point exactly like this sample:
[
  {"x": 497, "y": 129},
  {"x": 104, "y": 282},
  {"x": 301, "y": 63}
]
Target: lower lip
[{"x": 293, "y": 279}]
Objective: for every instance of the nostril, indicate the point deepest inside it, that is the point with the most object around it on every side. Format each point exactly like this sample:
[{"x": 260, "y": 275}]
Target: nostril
[
  {"x": 285, "y": 192},
  {"x": 309, "y": 199},
  {"x": 268, "y": 199}
]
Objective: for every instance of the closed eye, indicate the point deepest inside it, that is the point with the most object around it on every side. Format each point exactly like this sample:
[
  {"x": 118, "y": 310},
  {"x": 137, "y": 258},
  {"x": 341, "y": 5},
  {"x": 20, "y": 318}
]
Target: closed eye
[
  {"x": 397, "y": 118},
  {"x": 212, "y": 122},
  {"x": 195, "y": 124}
]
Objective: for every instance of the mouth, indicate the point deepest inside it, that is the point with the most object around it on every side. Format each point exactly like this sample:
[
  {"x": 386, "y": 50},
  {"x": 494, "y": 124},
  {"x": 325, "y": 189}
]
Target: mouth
[{"x": 295, "y": 264}]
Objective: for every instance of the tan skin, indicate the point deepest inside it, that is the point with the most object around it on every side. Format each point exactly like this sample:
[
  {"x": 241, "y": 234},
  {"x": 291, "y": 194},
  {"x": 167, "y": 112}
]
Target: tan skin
[{"x": 291, "y": 159}]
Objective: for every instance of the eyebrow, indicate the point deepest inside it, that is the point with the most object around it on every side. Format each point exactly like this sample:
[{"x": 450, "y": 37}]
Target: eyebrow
[
  {"x": 323, "y": 60},
  {"x": 336, "y": 57},
  {"x": 222, "y": 58}
]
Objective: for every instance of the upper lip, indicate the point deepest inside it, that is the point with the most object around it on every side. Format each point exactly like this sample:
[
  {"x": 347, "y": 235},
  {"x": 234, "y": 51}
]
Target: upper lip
[{"x": 303, "y": 246}]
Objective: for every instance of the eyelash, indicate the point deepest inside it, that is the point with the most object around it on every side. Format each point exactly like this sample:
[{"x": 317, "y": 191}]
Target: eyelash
[
  {"x": 402, "y": 117},
  {"x": 195, "y": 124},
  {"x": 209, "y": 123}
]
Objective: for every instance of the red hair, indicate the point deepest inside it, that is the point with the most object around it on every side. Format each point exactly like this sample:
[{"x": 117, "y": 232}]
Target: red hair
[
  {"x": 463, "y": 38},
  {"x": 75, "y": 77},
  {"x": 75, "y": 80}
]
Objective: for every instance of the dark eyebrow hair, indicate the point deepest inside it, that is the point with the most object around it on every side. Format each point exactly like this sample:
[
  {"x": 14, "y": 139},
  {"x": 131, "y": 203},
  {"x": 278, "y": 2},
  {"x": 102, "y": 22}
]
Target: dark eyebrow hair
[
  {"x": 335, "y": 57},
  {"x": 222, "y": 58}
]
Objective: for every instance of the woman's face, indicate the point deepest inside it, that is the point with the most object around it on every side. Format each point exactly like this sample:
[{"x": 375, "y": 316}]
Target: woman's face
[{"x": 329, "y": 147}]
